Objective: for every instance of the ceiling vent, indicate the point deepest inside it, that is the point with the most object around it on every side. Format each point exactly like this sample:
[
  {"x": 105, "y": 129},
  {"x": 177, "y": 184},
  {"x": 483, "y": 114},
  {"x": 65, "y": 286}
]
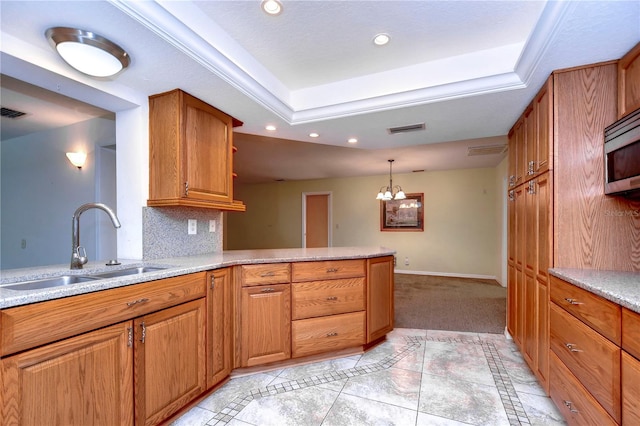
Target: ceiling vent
[
  {"x": 405, "y": 129},
  {"x": 486, "y": 150},
  {"x": 11, "y": 113}
]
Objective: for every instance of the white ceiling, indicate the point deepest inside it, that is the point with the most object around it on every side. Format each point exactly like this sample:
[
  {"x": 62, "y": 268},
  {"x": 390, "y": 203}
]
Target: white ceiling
[{"x": 466, "y": 69}]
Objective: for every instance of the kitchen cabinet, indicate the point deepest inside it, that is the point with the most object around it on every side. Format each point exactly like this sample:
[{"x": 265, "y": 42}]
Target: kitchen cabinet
[
  {"x": 219, "y": 326},
  {"x": 630, "y": 367},
  {"x": 96, "y": 357},
  {"x": 190, "y": 153},
  {"x": 169, "y": 360},
  {"x": 87, "y": 379},
  {"x": 380, "y": 302},
  {"x": 585, "y": 336},
  {"x": 328, "y": 306},
  {"x": 629, "y": 82},
  {"x": 265, "y": 313}
]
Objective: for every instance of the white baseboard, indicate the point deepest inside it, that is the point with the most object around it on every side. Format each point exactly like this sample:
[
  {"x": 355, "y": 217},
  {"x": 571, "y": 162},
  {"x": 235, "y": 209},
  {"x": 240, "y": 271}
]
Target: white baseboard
[{"x": 446, "y": 274}]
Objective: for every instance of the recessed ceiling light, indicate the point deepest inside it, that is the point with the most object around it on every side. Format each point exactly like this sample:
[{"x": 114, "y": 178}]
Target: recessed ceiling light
[
  {"x": 352, "y": 140},
  {"x": 381, "y": 39},
  {"x": 272, "y": 7},
  {"x": 270, "y": 127},
  {"x": 314, "y": 134},
  {"x": 88, "y": 52}
]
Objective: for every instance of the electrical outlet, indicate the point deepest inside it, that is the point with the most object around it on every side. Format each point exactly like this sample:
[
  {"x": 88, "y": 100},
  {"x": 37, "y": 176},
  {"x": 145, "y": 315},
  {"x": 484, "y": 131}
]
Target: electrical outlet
[
  {"x": 406, "y": 261},
  {"x": 212, "y": 226},
  {"x": 192, "y": 227}
]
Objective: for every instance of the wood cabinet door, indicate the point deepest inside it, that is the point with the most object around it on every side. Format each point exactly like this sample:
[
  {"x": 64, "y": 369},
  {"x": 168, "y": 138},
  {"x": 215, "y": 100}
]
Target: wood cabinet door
[
  {"x": 544, "y": 128},
  {"x": 265, "y": 324},
  {"x": 380, "y": 302},
  {"x": 207, "y": 152},
  {"x": 219, "y": 326},
  {"x": 83, "y": 380},
  {"x": 629, "y": 82},
  {"x": 630, "y": 390},
  {"x": 169, "y": 360}
]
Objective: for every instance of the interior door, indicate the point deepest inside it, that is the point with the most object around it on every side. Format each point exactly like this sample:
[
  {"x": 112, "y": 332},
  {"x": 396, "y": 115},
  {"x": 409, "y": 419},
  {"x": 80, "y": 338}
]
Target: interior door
[{"x": 316, "y": 220}]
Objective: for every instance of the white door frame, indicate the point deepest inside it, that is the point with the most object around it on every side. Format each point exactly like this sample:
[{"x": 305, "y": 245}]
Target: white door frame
[{"x": 329, "y": 217}]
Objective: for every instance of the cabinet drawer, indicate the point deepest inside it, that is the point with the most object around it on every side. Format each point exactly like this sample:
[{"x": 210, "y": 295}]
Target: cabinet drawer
[
  {"x": 316, "y": 335},
  {"x": 576, "y": 405},
  {"x": 28, "y": 326},
  {"x": 594, "y": 360},
  {"x": 318, "y": 298},
  {"x": 631, "y": 332},
  {"x": 630, "y": 390},
  {"x": 271, "y": 273},
  {"x": 600, "y": 314},
  {"x": 327, "y": 270}
]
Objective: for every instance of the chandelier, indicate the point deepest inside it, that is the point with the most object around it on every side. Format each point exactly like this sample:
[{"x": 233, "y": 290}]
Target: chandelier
[{"x": 391, "y": 192}]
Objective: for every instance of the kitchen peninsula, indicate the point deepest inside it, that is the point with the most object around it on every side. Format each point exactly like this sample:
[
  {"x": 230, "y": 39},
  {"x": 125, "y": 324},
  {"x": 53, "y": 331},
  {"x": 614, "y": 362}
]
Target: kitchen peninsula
[{"x": 136, "y": 349}]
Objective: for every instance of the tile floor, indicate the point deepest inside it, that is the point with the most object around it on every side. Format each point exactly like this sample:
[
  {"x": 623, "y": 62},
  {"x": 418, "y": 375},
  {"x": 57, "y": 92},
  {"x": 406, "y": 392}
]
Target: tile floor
[{"x": 416, "y": 377}]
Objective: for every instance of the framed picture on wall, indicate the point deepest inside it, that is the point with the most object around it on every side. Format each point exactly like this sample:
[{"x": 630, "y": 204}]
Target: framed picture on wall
[{"x": 403, "y": 215}]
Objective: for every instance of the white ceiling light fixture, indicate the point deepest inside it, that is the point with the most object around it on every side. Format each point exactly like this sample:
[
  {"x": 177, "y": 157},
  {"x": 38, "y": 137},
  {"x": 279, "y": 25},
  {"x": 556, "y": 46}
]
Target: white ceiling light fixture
[
  {"x": 314, "y": 135},
  {"x": 270, "y": 127},
  {"x": 88, "y": 52},
  {"x": 272, "y": 7},
  {"x": 391, "y": 192},
  {"x": 352, "y": 140},
  {"x": 381, "y": 39}
]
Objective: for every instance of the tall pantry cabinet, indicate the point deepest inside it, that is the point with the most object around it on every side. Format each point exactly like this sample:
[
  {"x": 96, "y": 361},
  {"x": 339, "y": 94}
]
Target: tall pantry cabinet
[{"x": 565, "y": 117}]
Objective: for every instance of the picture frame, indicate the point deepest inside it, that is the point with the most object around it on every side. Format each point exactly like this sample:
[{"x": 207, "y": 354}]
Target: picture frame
[{"x": 403, "y": 215}]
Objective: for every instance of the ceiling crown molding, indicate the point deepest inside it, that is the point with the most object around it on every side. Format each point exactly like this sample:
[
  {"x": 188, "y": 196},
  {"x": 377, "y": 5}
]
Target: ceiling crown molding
[{"x": 184, "y": 26}]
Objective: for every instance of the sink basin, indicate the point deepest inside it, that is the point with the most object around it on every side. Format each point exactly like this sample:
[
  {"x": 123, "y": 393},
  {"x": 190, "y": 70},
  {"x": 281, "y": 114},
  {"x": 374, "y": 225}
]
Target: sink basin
[
  {"x": 128, "y": 271},
  {"x": 48, "y": 282}
]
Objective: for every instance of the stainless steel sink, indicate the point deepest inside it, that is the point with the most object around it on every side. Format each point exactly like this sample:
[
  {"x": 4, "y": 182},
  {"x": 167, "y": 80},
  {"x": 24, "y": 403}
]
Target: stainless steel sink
[
  {"x": 48, "y": 282},
  {"x": 128, "y": 271}
]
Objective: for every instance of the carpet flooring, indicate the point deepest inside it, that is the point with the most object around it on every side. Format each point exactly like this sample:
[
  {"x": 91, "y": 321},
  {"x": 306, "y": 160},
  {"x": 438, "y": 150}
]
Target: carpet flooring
[{"x": 449, "y": 303}]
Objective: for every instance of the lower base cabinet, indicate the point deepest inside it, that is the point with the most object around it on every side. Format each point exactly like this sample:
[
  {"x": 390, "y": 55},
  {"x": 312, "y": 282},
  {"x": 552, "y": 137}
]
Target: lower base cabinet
[
  {"x": 84, "y": 380},
  {"x": 219, "y": 326},
  {"x": 325, "y": 334},
  {"x": 630, "y": 390}
]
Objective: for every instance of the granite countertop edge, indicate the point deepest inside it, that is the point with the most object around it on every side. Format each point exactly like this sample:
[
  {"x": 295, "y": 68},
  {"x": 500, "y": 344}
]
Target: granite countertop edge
[
  {"x": 620, "y": 287},
  {"x": 172, "y": 267}
]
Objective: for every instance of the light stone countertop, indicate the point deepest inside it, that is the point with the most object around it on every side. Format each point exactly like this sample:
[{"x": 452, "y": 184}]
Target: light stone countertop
[
  {"x": 174, "y": 267},
  {"x": 619, "y": 287}
]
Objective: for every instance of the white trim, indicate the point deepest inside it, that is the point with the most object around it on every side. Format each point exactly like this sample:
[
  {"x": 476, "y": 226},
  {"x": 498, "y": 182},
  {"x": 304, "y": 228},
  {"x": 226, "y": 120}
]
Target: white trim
[
  {"x": 445, "y": 274},
  {"x": 329, "y": 216}
]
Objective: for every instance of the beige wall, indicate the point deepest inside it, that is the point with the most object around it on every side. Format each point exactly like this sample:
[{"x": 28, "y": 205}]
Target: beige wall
[{"x": 463, "y": 219}]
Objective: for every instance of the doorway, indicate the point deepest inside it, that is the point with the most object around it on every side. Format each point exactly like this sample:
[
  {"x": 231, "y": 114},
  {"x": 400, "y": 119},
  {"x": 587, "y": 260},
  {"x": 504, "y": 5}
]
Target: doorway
[{"x": 316, "y": 219}]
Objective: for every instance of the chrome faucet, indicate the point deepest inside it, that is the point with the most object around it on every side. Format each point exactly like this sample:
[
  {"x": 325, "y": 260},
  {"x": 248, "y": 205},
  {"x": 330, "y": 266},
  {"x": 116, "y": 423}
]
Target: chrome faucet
[{"x": 77, "y": 259}]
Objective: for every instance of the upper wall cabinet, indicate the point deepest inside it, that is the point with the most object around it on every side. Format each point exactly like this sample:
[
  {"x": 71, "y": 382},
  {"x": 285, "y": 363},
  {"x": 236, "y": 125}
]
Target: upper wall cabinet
[
  {"x": 629, "y": 82},
  {"x": 190, "y": 153}
]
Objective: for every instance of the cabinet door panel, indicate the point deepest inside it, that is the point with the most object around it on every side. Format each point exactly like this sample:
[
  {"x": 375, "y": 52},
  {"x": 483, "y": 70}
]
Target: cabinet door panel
[
  {"x": 266, "y": 324},
  {"x": 630, "y": 390},
  {"x": 81, "y": 381},
  {"x": 219, "y": 326},
  {"x": 169, "y": 360},
  {"x": 380, "y": 302}
]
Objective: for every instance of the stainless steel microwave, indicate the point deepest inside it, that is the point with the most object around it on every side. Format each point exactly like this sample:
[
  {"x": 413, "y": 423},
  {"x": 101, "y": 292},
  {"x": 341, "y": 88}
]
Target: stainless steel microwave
[{"x": 622, "y": 156}]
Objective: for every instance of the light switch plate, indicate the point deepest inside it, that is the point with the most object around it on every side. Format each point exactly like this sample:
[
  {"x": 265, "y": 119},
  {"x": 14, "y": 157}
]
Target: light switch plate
[
  {"x": 212, "y": 226},
  {"x": 192, "y": 227}
]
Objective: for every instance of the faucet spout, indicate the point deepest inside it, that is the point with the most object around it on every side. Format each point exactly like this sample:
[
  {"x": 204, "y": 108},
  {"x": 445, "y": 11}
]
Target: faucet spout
[{"x": 77, "y": 260}]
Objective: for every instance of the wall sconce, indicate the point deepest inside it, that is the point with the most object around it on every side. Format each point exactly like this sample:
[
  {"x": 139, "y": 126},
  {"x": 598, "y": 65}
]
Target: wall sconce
[
  {"x": 77, "y": 158},
  {"x": 88, "y": 52}
]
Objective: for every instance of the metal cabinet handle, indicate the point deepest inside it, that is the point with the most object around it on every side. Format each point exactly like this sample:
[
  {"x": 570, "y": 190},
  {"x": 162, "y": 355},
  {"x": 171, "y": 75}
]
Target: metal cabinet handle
[
  {"x": 332, "y": 334},
  {"x": 267, "y": 290},
  {"x": 329, "y": 270},
  {"x": 144, "y": 332},
  {"x": 569, "y": 404},
  {"x": 573, "y": 301},
  {"x": 572, "y": 347},
  {"x": 135, "y": 302},
  {"x": 267, "y": 274},
  {"x": 332, "y": 298}
]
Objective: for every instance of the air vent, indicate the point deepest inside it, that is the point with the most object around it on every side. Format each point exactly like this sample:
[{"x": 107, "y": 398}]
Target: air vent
[
  {"x": 11, "y": 113},
  {"x": 405, "y": 129},
  {"x": 486, "y": 150}
]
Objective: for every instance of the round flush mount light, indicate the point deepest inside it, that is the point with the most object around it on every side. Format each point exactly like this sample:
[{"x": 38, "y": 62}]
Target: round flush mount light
[
  {"x": 381, "y": 39},
  {"x": 88, "y": 52},
  {"x": 270, "y": 127},
  {"x": 352, "y": 140},
  {"x": 272, "y": 7},
  {"x": 314, "y": 135}
]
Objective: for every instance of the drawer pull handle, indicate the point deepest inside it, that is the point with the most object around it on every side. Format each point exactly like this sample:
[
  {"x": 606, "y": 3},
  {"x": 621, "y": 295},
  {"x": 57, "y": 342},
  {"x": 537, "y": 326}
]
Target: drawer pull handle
[
  {"x": 135, "y": 302},
  {"x": 332, "y": 298},
  {"x": 573, "y": 301},
  {"x": 332, "y": 270},
  {"x": 332, "y": 334},
  {"x": 267, "y": 290},
  {"x": 571, "y": 347},
  {"x": 267, "y": 274},
  {"x": 569, "y": 404}
]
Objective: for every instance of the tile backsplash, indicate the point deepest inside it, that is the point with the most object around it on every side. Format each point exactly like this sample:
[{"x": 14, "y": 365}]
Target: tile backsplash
[{"x": 165, "y": 232}]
